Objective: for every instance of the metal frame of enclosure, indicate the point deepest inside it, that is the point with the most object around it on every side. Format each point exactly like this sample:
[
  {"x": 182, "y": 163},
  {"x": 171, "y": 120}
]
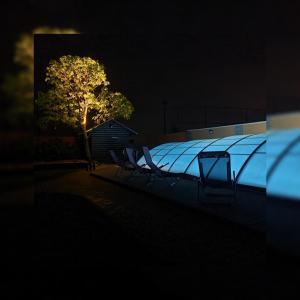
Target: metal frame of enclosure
[{"x": 247, "y": 158}]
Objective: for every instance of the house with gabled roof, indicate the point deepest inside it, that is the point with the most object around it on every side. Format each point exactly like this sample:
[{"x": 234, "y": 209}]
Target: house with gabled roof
[{"x": 110, "y": 135}]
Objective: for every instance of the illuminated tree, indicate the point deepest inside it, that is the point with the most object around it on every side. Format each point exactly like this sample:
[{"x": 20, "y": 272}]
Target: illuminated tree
[
  {"x": 110, "y": 105},
  {"x": 78, "y": 90},
  {"x": 18, "y": 87}
]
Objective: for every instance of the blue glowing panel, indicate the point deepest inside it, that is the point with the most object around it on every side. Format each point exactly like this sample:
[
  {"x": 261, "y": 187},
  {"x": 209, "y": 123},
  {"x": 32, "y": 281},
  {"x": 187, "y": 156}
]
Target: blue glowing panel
[
  {"x": 295, "y": 149},
  {"x": 141, "y": 161},
  {"x": 242, "y": 149},
  {"x": 156, "y": 159},
  {"x": 270, "y": 161},
  {"x": 216, "y": 148},
  {"x": 181, "y": 163},
  {"x": 187, "y": 144},
  {"x": 274, "y": 149},
  {"x": 194, "y": 150},
  {"x": 202, "y": 144},
  {"x": 262, "y": 148},
  {"x": 163, "y": 152},
  {"x": 254, "y": 172},
  {"x": 154, "y": 151},
  {"x": 285, "y": 180},
  {"x": 253, "y": 141},
  {"x": 225, "y": 142},
  {"x": 177, "y": 150},
  {"x": 193, "y": 169},
  {"x": 278, "y": 141},
  {"x": 237, "y": 161},
  {"x": 167, "y": 161}
]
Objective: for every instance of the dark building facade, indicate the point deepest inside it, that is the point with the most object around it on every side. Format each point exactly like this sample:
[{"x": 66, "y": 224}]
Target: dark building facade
[{"x": 110, "y": 135}]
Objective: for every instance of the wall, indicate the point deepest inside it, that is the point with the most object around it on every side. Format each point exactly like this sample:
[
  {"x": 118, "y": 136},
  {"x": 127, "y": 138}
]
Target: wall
[
  {"x": 223, "y": 131},
  {"x": 284, "y": 121},
  {"x": 204, "y": 133},
  {"x": 110, "y": 136}
]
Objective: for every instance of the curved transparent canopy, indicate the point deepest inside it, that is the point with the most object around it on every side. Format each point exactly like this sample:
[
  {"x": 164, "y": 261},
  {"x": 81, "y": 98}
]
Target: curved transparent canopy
[
  {"x": 247, "y": 153},
  {"x": 283, "y": 163}
]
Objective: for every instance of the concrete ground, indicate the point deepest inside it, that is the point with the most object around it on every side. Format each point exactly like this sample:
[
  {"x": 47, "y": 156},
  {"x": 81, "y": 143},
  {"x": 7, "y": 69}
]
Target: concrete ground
[
  {"x": 243, "y": 207},
  {"x": 146, "y": 245},
  {"x": 87, "y": 238}
]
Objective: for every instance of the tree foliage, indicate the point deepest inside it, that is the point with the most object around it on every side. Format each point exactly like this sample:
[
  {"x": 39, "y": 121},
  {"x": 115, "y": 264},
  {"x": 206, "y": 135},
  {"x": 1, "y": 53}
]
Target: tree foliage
[
  {"x": 79, "y": 88},
  {"x": 111, "y": 105}
]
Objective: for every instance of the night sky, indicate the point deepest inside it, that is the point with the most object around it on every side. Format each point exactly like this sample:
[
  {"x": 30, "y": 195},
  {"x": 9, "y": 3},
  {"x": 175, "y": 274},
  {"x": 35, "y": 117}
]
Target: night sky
[{"x": 239, "y": 60}]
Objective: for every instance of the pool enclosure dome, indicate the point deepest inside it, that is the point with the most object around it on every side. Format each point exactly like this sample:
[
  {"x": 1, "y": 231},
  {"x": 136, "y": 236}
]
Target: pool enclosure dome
[{"x": 247, "y": 157}]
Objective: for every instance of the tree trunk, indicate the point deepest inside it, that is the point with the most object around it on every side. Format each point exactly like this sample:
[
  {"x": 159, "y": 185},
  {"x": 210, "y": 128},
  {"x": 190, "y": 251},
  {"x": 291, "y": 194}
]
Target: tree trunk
[{"x": 86, "y": 144}]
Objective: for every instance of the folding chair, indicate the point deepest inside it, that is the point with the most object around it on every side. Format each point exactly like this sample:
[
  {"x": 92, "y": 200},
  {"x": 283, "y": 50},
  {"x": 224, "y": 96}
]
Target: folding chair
[
  {"x": 157, "y": 170},
  {"x": 121, "y": 163},
  {"x": 215, "y": 177},
  {"x": 131, "y": 154}
]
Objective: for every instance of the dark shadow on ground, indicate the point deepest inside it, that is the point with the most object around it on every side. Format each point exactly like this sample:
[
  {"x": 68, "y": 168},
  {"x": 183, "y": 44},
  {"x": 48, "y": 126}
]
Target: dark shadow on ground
[
  {"x": 283, "y": 274},
  {"x": 126, "y": 244},
  {"x": 82, "y": 254},
  {"x": 16, "y": 251}
]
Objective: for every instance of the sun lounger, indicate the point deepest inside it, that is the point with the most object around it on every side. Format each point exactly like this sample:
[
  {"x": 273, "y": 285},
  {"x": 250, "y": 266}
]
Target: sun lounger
[{"x": 121, "y": 162}]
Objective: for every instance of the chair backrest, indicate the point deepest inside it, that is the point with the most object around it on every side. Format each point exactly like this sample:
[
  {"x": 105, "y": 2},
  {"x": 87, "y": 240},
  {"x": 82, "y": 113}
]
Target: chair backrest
[
  {"x": 215, "y": 168},
  {"x": 115, "y": 158},
  {"x": 148, "y": 159},
  {"x": 131, "y": 156},
  {"x": 138, "y": 154}
]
